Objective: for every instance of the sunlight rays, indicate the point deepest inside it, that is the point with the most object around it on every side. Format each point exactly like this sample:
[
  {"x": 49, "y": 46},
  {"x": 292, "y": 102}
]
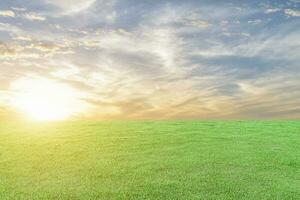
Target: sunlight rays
[{"x": 44, "y": 100}]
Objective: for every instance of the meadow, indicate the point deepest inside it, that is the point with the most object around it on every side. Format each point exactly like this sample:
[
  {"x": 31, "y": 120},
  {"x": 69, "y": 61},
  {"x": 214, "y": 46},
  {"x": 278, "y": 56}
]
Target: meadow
[{"x": 150, "y": 160}]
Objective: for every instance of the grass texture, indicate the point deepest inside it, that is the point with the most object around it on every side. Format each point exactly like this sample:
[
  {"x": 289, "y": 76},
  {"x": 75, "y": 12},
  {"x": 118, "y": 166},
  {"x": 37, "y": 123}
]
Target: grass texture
[{"x": 150, "y": 160}]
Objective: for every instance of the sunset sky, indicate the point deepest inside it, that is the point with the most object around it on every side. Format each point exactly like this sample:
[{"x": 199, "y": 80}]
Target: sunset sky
[{"x": 151, "y": 59}]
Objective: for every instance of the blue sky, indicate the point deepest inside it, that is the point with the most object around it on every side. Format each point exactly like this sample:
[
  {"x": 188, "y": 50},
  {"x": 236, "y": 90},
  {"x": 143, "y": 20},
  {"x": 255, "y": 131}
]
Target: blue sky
[{"x": 134, "y": 59}]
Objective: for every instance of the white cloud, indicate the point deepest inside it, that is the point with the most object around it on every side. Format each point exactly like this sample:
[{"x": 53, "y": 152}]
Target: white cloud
[
  {"x": 34, "y": 17},
  {"x": 13, "y": 52},
  {"x": 7, "y": 13},
  {"x": 23, "y": 38},
  {"x": 194, "y": 19},
  {"x": 197, "y": 23},
  {"x": 293, "y": 13},
  {"x": 11, "y": 29},
  {"x": 255, "y": 22},
  {"x": 19, "y": 9},
  {"x": 45, "y": 47},
  {"x": 272, "y": 10},
  {"x": 72, "y": 6}
]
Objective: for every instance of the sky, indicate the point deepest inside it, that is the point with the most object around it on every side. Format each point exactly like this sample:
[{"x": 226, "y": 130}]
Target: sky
[{"x": 151, "y": 59}]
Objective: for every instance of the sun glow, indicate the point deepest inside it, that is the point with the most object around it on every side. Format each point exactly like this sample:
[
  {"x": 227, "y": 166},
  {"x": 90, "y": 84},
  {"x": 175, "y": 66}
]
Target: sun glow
[{"x": 45, "y": 100}]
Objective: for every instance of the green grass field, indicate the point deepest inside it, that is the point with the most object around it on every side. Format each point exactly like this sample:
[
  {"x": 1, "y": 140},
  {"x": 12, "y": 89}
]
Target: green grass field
[{"x": 150, "y": 160}]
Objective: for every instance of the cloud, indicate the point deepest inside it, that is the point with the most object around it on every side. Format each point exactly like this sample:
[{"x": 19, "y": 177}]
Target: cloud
[
  {"x": 162, "y": 60},
  {"x": 19, "y": 9},
  {"x": 28, "y": 48},
  {"x": 255, "y": 22},
  {"x": 44, "y": 47},
  {"x": 15, "y": 52},
  {"x": 7, "y": 13},
  {"x": 9, "y": 28},
  {"x": 5, "y": 51},
  {"x": 197, "y": 23},
  {"x": 272, "y": 10},
  {"x": 34, "y": 17},
  {"x": 194, "y": 19},
  {"x": 23, "y": 38},
  {"x": 72, "y": 6},
  {"x": 292, "y": 13}
]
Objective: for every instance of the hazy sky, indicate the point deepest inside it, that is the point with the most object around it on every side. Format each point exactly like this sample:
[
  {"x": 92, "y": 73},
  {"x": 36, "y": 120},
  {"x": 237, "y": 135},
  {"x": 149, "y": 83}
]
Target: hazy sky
[{"x": 155, "y": 59}]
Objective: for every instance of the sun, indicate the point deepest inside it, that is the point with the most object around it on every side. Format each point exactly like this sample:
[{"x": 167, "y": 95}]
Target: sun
[{"x": 45, "y": 100}]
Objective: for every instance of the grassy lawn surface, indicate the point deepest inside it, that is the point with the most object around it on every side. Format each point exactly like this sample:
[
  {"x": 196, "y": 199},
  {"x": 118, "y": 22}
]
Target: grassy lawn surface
[{"x": 150, "y": 160}]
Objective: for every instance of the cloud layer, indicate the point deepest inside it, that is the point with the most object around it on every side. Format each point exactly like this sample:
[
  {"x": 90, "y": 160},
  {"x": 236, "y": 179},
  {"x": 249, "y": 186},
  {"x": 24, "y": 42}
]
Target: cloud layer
[{"x": 158, "y": 59}]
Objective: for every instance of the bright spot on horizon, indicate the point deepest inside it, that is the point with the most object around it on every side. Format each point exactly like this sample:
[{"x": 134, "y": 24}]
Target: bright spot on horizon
[{"x": 44, "y": 100}]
